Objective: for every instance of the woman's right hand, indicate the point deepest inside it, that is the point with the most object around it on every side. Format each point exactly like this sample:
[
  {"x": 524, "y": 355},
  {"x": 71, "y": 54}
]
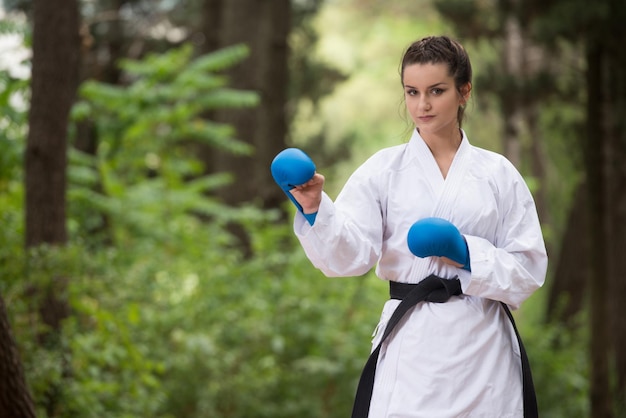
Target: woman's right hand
[{"x": 309, "y": 194}]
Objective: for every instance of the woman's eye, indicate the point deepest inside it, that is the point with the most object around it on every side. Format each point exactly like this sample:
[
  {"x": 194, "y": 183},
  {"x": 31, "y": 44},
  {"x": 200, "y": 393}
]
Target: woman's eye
[
  {"x": 437, "y": 91},
  {"x": 411, "y": 92}
]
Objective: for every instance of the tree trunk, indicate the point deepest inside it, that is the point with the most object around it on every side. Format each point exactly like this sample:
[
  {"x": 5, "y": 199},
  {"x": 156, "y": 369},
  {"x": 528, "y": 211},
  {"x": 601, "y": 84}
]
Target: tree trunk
[
  {"x": 616, "y": 187},
  {"x": 15, "y": 398},
  {"x": 267, "y": 25},
  {"x": 600, "y": 395},
  {"x": 55, "y": 41},
  {"x": 606, "y": 153},
  {"x": 54, "y": 82},
  {"x": 512, "y": 105},
  {"x": 569, "y": 284}
]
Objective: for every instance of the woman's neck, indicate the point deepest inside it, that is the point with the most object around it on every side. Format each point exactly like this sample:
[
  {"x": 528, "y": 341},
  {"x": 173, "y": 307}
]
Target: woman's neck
[{"x": 441, "y": 143}]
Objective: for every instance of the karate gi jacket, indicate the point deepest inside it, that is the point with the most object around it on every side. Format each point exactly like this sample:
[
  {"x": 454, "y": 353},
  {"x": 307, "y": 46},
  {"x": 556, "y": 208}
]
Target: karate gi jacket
[{"x": 459, "y": 358}]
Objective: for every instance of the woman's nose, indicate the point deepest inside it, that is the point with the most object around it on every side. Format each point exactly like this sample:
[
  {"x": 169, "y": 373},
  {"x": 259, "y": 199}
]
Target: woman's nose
[{"x": 422, "y": 102}]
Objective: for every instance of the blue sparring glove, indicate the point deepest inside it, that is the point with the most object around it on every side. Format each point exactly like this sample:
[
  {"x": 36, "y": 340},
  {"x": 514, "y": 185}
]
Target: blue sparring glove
[
  {"x": 437, "y": 237},
  {"x": 291, "y": 168}
]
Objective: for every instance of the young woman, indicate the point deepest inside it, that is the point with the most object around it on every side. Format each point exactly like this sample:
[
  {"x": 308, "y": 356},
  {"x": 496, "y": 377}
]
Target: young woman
[{"x": 460, "y": 358}]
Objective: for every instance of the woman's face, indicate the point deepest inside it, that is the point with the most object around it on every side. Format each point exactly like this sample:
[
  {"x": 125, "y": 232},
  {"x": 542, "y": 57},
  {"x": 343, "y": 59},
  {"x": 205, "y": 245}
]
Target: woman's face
[{"x": 432, "y": 98}]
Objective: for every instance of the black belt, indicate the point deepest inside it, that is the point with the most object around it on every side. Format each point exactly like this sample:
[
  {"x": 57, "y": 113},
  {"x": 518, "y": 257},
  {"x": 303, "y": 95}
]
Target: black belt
[{"x": 438, "y": 290}]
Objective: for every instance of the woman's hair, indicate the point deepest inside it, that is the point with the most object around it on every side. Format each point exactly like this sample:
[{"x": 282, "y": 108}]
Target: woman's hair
[{"x": 441, "y": 49}]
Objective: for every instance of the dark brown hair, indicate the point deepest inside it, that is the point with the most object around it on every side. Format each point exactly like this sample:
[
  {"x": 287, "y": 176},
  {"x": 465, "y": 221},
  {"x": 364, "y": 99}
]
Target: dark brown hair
[{"x": 441, "y": 49}]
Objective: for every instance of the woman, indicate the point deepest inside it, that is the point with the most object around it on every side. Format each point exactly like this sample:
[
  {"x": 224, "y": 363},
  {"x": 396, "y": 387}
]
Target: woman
[{"x": 455, "y": 359}]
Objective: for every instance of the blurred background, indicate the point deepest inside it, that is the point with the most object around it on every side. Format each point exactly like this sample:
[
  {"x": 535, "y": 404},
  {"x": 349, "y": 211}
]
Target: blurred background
[{"x": 147, "y": 262}]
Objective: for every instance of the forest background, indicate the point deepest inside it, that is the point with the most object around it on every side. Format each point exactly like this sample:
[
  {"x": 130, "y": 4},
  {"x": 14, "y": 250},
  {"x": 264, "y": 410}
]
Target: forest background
[{"x": 147, "y": 262}]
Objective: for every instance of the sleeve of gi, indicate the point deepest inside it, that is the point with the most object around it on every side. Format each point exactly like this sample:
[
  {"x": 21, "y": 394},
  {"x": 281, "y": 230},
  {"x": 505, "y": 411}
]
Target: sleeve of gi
[
  {"x": 346, "y": 238},
  {"x": 513, "y": 267}
]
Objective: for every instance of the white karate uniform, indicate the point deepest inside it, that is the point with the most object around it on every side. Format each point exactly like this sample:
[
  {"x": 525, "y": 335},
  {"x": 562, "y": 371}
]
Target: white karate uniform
[{"x": 454, "y": 359}]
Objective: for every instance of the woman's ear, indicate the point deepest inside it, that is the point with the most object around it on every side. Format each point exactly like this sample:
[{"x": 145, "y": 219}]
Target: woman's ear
[{"x": 465, "y": 91}]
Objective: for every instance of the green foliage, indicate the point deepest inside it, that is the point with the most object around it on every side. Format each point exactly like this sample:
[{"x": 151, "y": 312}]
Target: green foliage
[
  {"x": 13, "y": 92},
  {"x": 237, "y": 339},
  {"x": 186, "y": 327},
  {"x": 558, "y": 355},
  {"x": 145, "y": 170},
  {"x": 560, "y": 369},
  {"x": 166, "y": 104}
]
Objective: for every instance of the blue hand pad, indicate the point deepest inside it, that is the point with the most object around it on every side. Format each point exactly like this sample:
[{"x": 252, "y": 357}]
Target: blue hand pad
[
  {"x": 437, "y": 237},
  {"x": 290, "y": 168}
]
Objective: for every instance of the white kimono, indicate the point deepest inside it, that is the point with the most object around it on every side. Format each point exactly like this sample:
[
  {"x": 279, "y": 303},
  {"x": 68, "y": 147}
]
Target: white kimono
[{"x": 454, "y": 359}]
